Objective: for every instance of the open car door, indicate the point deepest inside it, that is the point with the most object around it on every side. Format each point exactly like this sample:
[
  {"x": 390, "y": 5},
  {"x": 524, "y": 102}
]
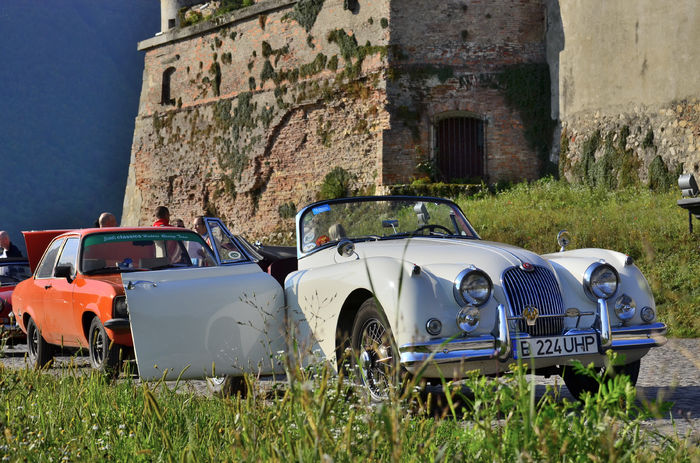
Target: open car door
[{"x": 209, "y": 321}]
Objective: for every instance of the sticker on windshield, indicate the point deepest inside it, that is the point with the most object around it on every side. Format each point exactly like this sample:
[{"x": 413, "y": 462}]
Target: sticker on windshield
[
  {"x": 308, "y": 247},
  {"x": 310, "y": 236},
  {"x": 234, "y": 255},
  {"x": 320, "y": 209}
]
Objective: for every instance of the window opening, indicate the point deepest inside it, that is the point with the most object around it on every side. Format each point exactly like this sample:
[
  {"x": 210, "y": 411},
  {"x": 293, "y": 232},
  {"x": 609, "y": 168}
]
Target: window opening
[
  {"x": 166, "y": 99},
  {"x": 460, "y": 153}
]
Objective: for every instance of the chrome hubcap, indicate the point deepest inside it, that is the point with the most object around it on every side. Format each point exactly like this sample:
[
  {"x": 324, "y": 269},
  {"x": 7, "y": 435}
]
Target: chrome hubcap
[{"x": 97, "y": 347}]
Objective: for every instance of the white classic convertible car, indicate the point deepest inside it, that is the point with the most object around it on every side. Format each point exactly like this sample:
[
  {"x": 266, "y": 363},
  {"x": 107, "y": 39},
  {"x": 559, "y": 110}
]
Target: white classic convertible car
[{"x": 382, "y": 284}]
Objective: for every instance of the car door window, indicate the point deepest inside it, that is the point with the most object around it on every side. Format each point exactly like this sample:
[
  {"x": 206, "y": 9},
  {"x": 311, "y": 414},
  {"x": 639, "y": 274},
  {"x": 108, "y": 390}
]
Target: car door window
[
  {"x": 45, "y": 269},
  {"x": 228, "y": 250},
  {"x": 69, "y": 254}
]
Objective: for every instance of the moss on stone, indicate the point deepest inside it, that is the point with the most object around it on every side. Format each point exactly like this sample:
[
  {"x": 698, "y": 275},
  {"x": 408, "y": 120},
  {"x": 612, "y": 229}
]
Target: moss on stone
[
  {"x": 215, "y": 71},
  {"x": 305, "y": 13},
  {"x": 267, "y": 73}
]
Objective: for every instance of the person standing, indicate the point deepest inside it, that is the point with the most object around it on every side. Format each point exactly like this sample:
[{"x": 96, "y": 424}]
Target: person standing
[
  {"x": 162, "y": 217},
  {"x": 107, "y": 219},
  {"x": 7, "y": 249}
]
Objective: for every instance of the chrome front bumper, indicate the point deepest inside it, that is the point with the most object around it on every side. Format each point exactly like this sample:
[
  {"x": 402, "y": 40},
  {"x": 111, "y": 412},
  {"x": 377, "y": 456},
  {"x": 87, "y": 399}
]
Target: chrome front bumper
[{"x": 485, "y": 347}]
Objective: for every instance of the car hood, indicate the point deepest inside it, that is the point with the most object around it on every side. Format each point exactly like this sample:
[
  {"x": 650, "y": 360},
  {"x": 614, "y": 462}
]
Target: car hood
[{"x": 490, "y": 256}]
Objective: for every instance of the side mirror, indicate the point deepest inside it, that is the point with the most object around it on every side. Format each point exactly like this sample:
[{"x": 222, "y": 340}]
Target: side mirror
[
  {"x": 346, "y": 248},
  {"x": 64, "y": 271},
  {"x": 563, "y": 239}
]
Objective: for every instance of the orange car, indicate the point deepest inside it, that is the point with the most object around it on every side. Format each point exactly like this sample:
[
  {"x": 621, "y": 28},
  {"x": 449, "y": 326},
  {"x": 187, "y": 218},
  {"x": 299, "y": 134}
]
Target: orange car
[{"x": 75, "y": 298}]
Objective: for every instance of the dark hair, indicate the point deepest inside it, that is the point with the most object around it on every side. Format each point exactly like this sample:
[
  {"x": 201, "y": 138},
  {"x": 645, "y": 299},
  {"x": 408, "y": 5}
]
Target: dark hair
[{"x": 162, "y": 212}]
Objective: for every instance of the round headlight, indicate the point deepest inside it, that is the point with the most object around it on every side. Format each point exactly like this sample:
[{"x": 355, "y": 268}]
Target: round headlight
[
  {"x": 600, "y": 281},
  {"x": 647, "y": 314},
  {"x": 625, "y": 307},
  {"x": 468, "y": 319},
  {"x": 472, "y": 287},
  {"x": 433, "y": 326}
]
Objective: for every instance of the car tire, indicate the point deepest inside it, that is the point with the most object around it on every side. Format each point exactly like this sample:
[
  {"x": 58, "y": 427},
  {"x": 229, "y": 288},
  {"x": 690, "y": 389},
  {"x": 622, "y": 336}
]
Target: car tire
[
  {"x": 104, "y": 354},
  {"x": 40, "y": 352},
  {"x": 578, "y": 384},
  {"x": 232, "y": 386},
  {"x": 375, "y": 357}
]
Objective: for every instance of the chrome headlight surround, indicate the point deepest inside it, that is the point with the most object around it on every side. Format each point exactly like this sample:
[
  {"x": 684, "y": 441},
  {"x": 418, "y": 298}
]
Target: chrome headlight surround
[
  {"x": 472, "y": 287},
  {"x": 120, "y": 308},
  {"x": 468, "y": 318},
  {"x": 625, "y": 307},
  {"x": 600, "y": 281}
]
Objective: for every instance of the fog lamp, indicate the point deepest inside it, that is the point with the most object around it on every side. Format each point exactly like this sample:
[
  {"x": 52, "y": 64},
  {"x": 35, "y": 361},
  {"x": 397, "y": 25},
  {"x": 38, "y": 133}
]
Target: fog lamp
[
  {"x": 625, "y": 307},
  {"x": 648, "y": 315},
  {"x": 433, "y": 327},
  {"x": 468, "y": 319}
]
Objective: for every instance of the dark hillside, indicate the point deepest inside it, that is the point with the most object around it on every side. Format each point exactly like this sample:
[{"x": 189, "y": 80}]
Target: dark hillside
[{"x": 71, "y": 77}]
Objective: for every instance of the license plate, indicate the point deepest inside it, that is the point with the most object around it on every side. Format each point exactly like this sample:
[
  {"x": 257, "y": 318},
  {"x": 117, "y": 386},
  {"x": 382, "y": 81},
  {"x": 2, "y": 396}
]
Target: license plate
[{"x": 556, "y": 346}]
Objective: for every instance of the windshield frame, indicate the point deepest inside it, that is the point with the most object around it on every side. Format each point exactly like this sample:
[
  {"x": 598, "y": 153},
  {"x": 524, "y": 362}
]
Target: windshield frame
[{"x": 427, "y": 199}]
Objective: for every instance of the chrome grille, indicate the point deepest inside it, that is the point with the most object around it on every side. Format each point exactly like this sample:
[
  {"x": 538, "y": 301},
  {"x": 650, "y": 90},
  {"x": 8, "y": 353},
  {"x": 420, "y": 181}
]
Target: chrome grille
[{"x": 538, "y": 288}]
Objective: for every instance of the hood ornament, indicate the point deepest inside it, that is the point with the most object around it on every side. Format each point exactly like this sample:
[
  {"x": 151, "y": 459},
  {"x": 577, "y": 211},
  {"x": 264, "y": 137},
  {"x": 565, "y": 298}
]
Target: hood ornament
[
  {"x": 527, "y": 266},
  {"x": 530, "y": 313}
]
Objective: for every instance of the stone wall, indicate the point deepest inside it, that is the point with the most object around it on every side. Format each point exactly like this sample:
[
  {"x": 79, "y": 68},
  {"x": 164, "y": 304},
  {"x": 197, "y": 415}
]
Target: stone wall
[
  {"x": 243, "y": 116},
  {"x": 629, "y": 66}
]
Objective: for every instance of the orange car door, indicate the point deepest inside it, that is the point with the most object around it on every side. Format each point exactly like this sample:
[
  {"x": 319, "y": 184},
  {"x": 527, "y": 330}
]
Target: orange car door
[
  {"x": 41, "y": 284},
  {"x": 58, "y": 299}
]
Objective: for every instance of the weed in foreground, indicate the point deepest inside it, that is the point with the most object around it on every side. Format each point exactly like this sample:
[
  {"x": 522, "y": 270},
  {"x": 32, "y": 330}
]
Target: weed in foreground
[{"x": 320, "y": 417}]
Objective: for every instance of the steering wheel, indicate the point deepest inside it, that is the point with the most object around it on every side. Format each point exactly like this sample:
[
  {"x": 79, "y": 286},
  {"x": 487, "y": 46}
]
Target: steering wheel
[{"x": 432, "y": 228}]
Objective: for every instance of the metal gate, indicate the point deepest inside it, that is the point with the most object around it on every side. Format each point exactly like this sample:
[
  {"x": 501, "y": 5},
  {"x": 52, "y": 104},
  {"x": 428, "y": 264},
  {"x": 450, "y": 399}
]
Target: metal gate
[{"x": 460, "y": 148}]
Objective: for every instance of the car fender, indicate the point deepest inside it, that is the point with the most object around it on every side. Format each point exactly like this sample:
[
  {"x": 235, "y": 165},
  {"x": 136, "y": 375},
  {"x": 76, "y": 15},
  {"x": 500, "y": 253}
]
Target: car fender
[
  {"x": 570, "y": 267},
  {"x": 315, "y": 298}
]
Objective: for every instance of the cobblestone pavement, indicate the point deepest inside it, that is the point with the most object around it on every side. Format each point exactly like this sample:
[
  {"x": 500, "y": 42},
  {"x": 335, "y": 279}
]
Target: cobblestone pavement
[{"x": 669, "y": 373}]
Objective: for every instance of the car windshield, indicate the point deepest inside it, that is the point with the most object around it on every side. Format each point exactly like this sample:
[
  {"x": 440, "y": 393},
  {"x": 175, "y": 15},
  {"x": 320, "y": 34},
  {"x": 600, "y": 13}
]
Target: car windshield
[
  {"x": 143, "y": 250},
  {"x": 12, "y": 273},
  {"x": 381, "y": 218}
]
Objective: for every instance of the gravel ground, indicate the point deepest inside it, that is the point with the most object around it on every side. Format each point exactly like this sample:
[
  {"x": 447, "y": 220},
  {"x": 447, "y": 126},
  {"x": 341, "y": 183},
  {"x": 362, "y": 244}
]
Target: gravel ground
[{"x": 669, "y": 373}]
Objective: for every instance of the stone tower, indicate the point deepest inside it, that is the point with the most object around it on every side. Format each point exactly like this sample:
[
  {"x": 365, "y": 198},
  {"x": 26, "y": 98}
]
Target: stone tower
[{"x": 244, "y": 115}]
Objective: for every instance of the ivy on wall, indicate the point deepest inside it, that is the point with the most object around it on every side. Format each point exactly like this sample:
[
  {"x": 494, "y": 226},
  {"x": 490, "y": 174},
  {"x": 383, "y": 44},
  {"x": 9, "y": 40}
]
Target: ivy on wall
[{"x": 527, "y": 89}]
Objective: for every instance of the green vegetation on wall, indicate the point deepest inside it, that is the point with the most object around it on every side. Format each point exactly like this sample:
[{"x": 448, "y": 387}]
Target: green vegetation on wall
[
  {"x": 336, "y": 184},
  {"x": 607, "y": 162},
  {"x": 527, "y": 90},
  {"x": 305, "y": 13}
]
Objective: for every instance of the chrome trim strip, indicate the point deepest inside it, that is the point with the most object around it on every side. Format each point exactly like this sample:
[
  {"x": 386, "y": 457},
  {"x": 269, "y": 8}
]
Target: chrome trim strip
[
  {"x": 503, "y": 343},
  {"x": 605, "y": 330}
]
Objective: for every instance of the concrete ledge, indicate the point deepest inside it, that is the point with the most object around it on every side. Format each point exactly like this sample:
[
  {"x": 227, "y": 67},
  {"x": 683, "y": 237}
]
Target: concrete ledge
[{"x": 220, "y": 21}]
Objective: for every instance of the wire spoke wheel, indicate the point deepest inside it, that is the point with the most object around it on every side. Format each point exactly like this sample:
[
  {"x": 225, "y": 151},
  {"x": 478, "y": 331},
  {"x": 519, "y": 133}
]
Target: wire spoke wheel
[{"x": 374, "y": 353}]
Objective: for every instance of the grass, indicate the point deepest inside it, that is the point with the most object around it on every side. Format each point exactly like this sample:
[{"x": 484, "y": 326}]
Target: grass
[
  {"x": 81, "y": 417},
  {"x": 646, "y": 225}
]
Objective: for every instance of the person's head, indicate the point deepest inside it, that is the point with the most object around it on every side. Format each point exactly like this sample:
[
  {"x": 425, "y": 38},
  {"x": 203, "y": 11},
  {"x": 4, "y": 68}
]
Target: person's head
[
  {"x": 178, "y": 223},
  {"x": 107, "y": 219},
  {"x": 162, "y": 213},
  {"x": 198, "y": 225},
  {"x": 4, "y": 239}
]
